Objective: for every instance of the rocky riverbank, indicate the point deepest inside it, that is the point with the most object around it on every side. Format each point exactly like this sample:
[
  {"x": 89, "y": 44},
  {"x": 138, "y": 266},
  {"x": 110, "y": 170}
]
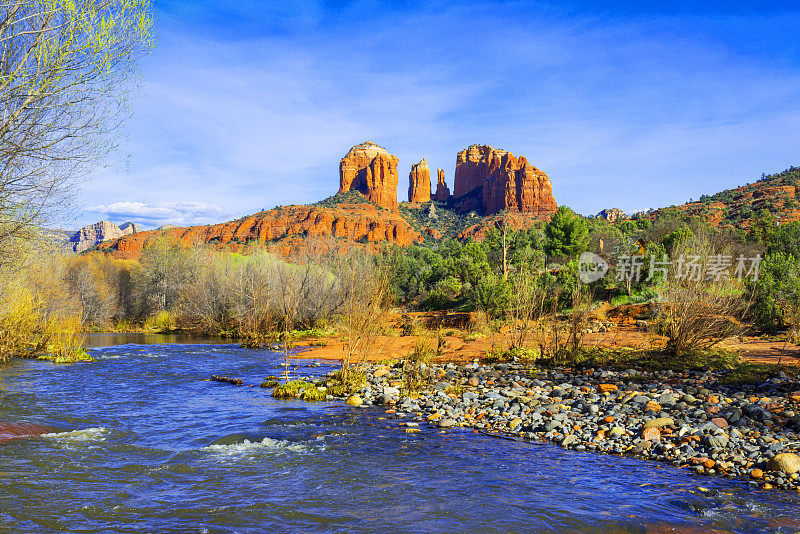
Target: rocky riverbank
[{"x": 690, "y": 419}]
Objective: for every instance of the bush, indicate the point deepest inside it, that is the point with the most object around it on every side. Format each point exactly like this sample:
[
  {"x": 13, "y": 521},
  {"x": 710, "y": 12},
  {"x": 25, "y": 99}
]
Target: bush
[
  {"x": 38, "y": 318},
  {"x": 696, "y": 313},
  {"x": 776, "y": 292},
  {"x": 299, "y": 389},
  {"x": 161, "y": 321}
]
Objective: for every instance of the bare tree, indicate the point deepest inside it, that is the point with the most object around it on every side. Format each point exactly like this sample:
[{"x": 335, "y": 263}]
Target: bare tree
[
  {"x": 62, "y": 68},
  {"x": 363, "y": 289}
]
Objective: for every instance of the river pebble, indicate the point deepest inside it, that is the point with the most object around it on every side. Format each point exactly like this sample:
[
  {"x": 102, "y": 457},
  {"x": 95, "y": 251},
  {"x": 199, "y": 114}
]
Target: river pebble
[{"x": 690, "y": 419}]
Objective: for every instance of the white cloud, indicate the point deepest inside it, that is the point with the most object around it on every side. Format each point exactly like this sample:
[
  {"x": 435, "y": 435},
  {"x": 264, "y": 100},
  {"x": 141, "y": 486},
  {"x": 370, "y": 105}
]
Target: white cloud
[
  {"x": 619, "y": 112},
  {"x": 156, "y": 214}
]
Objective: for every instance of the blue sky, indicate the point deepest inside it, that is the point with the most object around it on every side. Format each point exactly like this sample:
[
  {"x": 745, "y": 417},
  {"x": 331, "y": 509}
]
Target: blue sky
[{"x": 248, "y": 105}]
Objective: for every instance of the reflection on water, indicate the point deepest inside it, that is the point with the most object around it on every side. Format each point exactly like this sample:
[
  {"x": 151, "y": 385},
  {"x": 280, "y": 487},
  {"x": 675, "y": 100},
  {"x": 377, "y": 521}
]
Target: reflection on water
[
  {"x": 142, "y": 441},
  {"x": 110, "y": 339}
]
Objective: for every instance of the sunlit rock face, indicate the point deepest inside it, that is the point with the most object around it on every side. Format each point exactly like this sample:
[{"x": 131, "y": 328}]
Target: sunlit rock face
[
  {"x": 96, "y": 233},
  {"x": 419, "y": 182},
  {"x": 371, "y": 170},
  {"x": 489, "y": 180}
]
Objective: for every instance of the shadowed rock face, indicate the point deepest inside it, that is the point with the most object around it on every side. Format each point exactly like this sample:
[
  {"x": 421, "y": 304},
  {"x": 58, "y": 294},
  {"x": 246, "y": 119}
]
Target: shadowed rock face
[
  {"x": 419, "y": 182},
  {"x": 10, "y": 430},
  {"x": 371, "y": 170},
  {"x": 442, "y": 191},
  {"x": 489, "y": 180},
  {"x": 611, "y": 215}
]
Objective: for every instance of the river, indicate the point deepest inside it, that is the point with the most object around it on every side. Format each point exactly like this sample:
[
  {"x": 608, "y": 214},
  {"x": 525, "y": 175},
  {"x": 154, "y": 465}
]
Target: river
[{"x": 141, "y": 441}]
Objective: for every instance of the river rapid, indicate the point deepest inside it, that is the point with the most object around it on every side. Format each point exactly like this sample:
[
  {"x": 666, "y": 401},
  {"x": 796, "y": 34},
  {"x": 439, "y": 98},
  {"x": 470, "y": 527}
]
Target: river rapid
[{"x": 142, "y": 441}]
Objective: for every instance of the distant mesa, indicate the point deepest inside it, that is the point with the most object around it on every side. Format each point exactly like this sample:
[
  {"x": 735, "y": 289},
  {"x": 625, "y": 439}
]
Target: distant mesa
[
  {"x": 166, "y": 227},
  {"x": 419, "y": 182},
  {"x": 371, "y": 170},
  {"x": 284, "y": 229},
  {"x": 489, "y": 180},
  {"x": 442, "y": 191},
  {"x": 611, "y": 215},
  {"x": 94, "y": 234}
]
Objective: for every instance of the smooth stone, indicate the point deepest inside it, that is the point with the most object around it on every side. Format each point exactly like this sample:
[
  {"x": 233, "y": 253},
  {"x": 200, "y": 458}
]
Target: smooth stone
[
  {"x": 355, "y": 400},
  {"x": 787, "y": 462},
  {"x": 446, "y": 423},
  {"x": 659, "y": 422}
]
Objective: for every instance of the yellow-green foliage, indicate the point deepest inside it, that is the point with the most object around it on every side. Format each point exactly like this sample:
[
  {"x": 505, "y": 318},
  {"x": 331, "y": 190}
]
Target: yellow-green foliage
[
  {"x": 356, "y": 379},
  {"x": 298, "y": 389},
  {"x": 39, "y": 321},
  {"x": 161, "y": 321},
  {"x": 415, "y": 379}
]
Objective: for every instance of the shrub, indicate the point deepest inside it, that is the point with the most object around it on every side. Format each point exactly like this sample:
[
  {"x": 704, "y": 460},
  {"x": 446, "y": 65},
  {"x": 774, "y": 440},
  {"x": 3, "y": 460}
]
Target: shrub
[
  {"x": 162, "y": 321},
  {"x": 776, "y": 292},
  {"x": 298, "y": 389},
  {"x": 696, "y": 313}
]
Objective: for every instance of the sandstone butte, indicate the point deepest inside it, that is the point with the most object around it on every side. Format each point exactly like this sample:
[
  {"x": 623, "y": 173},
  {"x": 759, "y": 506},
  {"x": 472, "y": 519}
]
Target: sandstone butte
[
  {"x": 284, "y": 229},
  {"x": 442, "y": 191},
  {"x": 419, "y": 182},
  {"x": 371, "y": 170},
  {"x": 489, "y": 180}
]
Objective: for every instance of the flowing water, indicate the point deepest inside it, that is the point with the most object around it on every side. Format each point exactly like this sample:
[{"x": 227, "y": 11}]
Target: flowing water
[{"x": 141, "y": 441}]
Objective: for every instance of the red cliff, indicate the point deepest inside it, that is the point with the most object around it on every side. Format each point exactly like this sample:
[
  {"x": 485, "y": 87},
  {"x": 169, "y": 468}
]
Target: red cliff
[
  {"x": 419, "y": 182},
  {"x": 371, "y": 170},
  {"x": 490, "y": 180},
  {"x": 284, "y": 228}
]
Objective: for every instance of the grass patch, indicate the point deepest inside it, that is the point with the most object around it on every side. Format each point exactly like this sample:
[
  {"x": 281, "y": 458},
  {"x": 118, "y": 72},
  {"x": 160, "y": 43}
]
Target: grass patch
[
  {"x": 73, "y": 356},
  {"x": 456, "y": 390},
  {"x": 651, "y": 360},
  {"x": 338, "y": 388},
  {"x": 757, "y": 373},
  {"x": 298, "y": 389}
]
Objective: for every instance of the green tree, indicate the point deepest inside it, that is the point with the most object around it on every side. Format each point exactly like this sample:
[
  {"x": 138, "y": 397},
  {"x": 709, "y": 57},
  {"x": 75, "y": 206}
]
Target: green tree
[
  {"x": 776, "y": 292},
  {"x": 566, "y": 235}
]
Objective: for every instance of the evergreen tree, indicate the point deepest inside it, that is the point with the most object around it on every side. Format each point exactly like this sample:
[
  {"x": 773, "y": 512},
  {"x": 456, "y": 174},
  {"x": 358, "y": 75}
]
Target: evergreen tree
[{"x": 566, "y": 235}]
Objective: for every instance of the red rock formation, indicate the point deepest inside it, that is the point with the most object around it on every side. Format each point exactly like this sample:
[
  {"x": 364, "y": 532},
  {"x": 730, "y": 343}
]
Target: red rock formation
[
  {"x": 442, "y": 191},
  {"x": 419, "y": 182},
  {"x": 739, "y": 207},
  {"x": 360, "y": 223},
  {"x": 517, "y": 221},
  {"x": 371, "y": 170},
  {"x": 491, "y": 180}
]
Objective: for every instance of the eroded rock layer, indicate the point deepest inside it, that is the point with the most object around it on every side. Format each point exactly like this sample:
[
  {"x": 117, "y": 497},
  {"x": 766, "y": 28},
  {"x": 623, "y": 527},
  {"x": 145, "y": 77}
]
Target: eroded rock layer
[
  {"x": 91, "y": 235},
  {"x": 489, "y": 180},
  {"x": 371, "y": 170},
  {"x": 419, "y": 182},
  {"x": 284, "y": 228}
]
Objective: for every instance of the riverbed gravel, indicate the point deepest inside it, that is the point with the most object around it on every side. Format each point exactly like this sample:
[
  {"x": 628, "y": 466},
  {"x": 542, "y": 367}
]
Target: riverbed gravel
[{"x": 691, "y": 419}]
